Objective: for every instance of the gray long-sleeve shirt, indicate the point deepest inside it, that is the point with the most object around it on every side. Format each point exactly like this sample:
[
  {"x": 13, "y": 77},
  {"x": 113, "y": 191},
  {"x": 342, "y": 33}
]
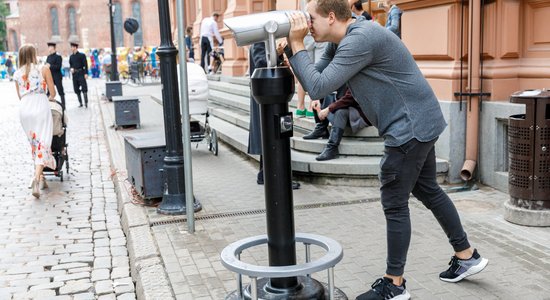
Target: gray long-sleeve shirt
[{"x": 383, "y": 78}]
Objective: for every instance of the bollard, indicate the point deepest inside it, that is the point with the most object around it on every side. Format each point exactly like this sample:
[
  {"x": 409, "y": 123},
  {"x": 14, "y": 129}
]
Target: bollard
[{"x": 272, "y": 88}]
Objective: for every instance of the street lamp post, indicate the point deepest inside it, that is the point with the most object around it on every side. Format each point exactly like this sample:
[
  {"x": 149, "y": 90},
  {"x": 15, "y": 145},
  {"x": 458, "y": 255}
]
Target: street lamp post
[
  {"x": 114, "y": 68},
  {"x": 173, "y": 199}
]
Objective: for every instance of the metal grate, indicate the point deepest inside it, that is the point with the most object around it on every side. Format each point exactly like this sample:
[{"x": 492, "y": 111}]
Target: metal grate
[
  {"x": 544, "y": 166},
  {"x": 517, "y": 132},
  {"x": 544, "y": 183},
  {"x": 262, "y": 211},
  {"x": 518, "y": 148},
  {"x": 520, "y": 165},
  {"x": 519, "y": 181}
]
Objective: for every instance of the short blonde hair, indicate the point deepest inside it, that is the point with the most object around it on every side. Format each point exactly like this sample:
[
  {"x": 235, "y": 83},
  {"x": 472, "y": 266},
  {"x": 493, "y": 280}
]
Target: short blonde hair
[{"x": 340, "y": 8}]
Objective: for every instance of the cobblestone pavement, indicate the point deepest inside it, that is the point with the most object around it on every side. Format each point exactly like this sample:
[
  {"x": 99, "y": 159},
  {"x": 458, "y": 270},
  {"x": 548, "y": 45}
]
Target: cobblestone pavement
[
  {"x": 519, "y": 266},
  {"x": 68, "y": 244}
]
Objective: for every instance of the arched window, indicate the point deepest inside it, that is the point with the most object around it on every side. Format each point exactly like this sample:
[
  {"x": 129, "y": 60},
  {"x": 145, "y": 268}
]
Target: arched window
[
  {"x": 136, "y": 14},
  {"x": 72, "y": 20},
  {"x": 14, "y": 40},
  {"x": 55, "y": 20},
  {"x": 117, "y": 23}
]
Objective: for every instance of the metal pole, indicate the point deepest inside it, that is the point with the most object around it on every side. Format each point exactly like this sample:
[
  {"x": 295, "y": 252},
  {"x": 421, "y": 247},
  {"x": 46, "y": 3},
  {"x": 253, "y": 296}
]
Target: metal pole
[
  {"x": 114, "y": 68},
  {"x": 174, "y": 188},
  {"x": 188, "y": 167}
]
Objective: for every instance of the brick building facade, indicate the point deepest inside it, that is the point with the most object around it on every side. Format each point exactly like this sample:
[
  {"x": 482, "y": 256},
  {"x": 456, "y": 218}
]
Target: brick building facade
[{"x": 40, "y": 21}]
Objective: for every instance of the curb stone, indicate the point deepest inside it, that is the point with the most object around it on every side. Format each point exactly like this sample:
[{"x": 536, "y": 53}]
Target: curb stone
[{"x": 146, "y": 267}]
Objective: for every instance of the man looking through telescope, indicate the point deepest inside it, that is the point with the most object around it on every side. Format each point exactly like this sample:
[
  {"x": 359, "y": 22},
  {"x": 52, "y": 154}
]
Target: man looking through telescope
[{"x": 384, "y": 79}]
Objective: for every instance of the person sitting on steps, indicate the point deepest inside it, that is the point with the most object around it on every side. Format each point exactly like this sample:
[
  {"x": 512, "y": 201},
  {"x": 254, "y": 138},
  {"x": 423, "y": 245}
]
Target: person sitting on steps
[
  {"x": 341, "y": 113},
  {"x": 321, "y": 126}
]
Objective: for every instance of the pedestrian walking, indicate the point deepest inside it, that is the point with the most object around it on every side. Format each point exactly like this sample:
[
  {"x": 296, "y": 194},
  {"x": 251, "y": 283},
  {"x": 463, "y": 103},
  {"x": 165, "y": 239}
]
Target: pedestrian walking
[
  {"x": 32, "y": 83},
  {"x": 9, "y": 65},
  {"x": 55, "y": 62},
  {"x": 79, "y": 71},
  {"x": 209, "y": 30},
  {"x": 385, "y": 80}
]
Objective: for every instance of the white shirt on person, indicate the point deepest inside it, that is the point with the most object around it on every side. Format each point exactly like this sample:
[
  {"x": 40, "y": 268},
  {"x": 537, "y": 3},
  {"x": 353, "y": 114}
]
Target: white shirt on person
[{"x": 209, "y": 29}]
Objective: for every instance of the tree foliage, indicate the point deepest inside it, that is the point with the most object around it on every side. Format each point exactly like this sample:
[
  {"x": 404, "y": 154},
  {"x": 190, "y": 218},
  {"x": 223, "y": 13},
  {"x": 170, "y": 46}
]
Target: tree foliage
[{"x": 4, "y": 12}]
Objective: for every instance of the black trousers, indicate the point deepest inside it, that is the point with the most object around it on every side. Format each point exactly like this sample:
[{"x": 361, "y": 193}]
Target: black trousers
[
  {"x": 59, "y": 85},
  {"x": 408, "y": 168},
  {"x": 206, "y": 48},
  {"x": 79, "y": 82}
]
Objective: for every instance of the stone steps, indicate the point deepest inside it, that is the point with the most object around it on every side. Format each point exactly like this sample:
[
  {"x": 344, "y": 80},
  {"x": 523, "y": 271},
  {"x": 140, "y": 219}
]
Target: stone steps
[{"x": 358, "y": 164}]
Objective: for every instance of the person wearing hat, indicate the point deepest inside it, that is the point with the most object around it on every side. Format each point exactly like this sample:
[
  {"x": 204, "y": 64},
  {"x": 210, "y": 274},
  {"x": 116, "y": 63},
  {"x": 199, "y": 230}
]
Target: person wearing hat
[
  {"x": 54, "y": 61},
  {"x": 79, "y": 69}
]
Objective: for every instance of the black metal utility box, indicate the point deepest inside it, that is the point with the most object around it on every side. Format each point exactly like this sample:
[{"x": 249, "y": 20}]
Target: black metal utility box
[
  {"x": 113, "y": 88},
  {"x": 126, "y": 110},
  {"x": 145, "y": 153}
]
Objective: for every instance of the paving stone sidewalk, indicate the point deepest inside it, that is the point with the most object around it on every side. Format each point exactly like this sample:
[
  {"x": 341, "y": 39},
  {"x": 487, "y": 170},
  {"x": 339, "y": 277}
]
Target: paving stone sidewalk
[
  {"x": 189, "y": 264},
  {"x": 69, "y": 244}
]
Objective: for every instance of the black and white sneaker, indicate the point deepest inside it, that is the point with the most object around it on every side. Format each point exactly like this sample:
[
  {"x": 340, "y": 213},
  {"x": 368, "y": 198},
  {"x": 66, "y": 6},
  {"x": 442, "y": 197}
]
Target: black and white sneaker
[
  {"x": 462, "y": 268},
  {"x": 384, "y": 289}
]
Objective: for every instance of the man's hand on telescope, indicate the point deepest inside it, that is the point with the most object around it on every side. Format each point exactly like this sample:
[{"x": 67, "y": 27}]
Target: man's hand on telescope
[{"x": 298, "y": 30}]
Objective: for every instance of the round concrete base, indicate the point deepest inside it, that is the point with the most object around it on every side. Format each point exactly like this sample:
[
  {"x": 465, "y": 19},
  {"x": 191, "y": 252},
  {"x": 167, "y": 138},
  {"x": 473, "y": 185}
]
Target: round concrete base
[{"x": 522, "y": 216}]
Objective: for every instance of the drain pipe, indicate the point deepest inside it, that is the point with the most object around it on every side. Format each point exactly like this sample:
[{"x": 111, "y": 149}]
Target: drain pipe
[{"x": 474, "y": 99}]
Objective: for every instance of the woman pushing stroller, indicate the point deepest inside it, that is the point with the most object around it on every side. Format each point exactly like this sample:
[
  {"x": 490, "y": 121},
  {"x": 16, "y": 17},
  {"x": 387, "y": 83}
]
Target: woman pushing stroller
[{"x": 32, "y": 82}]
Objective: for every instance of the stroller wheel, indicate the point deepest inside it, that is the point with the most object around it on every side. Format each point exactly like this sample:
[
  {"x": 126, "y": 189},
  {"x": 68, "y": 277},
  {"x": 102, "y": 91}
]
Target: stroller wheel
[
  {"x": 213, "y": 145},
  {"x": 67, "y": 163},
  {"x": 61, "y": 175}
]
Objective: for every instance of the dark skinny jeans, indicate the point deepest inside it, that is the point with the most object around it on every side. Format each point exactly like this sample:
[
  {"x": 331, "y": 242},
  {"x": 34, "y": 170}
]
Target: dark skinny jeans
[{"x": 408, "y": 168}]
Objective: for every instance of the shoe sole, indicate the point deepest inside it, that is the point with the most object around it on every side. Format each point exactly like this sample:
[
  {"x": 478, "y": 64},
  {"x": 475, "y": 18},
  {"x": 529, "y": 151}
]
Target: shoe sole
[
  {"x": 471, "y": 271},
  {"x": 405, "y": 296}
]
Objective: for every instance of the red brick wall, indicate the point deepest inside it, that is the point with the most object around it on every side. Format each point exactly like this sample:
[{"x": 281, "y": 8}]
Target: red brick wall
[{"x": 92, "y": 23}]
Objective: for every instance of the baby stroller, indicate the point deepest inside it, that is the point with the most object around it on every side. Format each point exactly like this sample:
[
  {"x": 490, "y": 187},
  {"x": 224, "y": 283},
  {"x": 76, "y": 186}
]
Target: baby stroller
[
  {"x": 198, "y": 110},
  {"x": 59, "y": 144}
]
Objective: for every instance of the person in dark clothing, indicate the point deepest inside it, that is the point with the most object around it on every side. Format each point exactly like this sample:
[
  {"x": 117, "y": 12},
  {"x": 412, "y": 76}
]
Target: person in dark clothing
[
  {"x": 9, "y": 65},
  {"x": 321, "y": 126},
  {"x": 386, "y": 81},
  {"x": 55, "y": 61},
  {"x": 342, "y": 113},
  {"x": 79, "y": 69},
  {"x": 258, "y": 59},
  {"x": 357, "y": 9}
]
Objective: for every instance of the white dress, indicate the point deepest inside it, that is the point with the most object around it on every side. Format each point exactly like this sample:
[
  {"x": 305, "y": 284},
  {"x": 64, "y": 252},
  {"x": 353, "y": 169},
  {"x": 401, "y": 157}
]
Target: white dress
[{"x": 35, "y": 115}]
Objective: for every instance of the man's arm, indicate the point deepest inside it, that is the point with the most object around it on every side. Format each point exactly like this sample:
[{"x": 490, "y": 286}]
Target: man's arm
[
  {"x": 351, "y": 56},
  {"x": 84, "y": 63},
  {"x": 216, "y": 32}
]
